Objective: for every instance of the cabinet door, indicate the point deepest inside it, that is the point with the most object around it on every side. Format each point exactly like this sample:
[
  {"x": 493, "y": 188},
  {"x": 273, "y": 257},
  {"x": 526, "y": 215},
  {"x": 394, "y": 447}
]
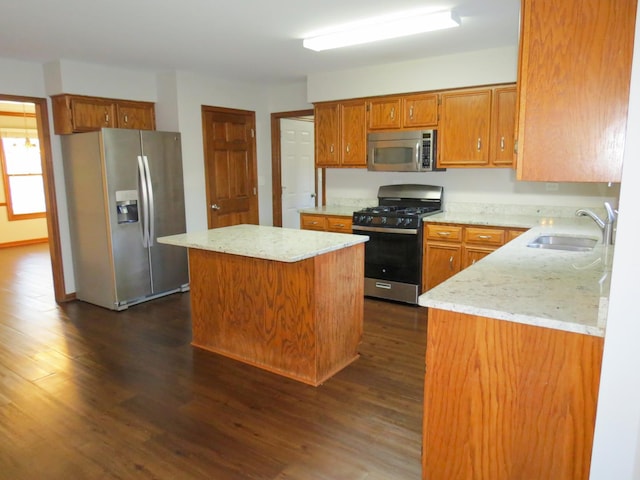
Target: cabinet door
[
  {"x": 354, "y": 134},
  {"x": 327, "y": 134},
  {"x": 384, "y": 113},
  {"x": 92, "y": 114},
  {"x": 420, "y": 110},
  {"x": 575, "y": 68},
  {"x": 139, "y": 116},
  {"x": 503, "y": 122},
  {"x": 443, "y": 261},
  {"x": 464, "y": 132},
  {"x": 472, "y": 254}
]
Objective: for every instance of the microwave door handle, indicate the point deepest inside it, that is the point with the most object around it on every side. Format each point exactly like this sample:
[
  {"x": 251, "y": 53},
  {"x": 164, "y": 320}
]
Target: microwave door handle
[{"x": 418, "y": 155}]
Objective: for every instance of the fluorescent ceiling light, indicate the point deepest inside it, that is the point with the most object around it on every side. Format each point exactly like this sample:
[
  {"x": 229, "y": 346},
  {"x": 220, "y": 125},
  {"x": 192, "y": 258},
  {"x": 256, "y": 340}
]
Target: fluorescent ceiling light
[{"x": 382, "y": 29}]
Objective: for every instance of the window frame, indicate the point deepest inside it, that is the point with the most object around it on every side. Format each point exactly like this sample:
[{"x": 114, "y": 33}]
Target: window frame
[{"x": 11, "y": 215}]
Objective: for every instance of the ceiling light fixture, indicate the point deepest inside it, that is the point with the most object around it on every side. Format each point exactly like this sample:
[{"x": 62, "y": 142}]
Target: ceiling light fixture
[{"x": 382, "y": 28}]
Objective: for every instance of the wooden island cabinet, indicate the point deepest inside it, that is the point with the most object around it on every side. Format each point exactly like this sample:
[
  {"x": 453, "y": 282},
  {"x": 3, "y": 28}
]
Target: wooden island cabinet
[{"x": 285, "y": 300}]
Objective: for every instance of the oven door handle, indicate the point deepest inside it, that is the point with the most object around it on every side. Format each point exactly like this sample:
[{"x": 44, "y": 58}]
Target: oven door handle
[{"x": 405, "y": 231}]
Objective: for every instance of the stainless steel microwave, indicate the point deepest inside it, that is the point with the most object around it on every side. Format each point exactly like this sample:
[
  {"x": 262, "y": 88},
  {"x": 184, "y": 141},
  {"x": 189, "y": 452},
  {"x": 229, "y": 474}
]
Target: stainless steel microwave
[{"x": 402, "y": 151}]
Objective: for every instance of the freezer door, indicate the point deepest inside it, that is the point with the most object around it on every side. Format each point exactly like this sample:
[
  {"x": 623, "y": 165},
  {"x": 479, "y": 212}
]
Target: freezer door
[
  {"x": 162, "y": 153},
  {"x": 126, "y": 214}
]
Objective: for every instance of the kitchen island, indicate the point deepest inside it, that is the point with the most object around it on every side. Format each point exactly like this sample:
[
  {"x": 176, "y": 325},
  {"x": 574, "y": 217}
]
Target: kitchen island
[
  {"x": 514, "y": 350},
  {"x": 288, "y": 301}
]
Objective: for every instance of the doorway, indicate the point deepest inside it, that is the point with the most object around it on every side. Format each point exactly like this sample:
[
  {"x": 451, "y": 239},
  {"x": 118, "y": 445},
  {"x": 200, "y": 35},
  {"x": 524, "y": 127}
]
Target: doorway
[
  {"x": 299, "y": 186},
  {"x": 46, "y": 158}
]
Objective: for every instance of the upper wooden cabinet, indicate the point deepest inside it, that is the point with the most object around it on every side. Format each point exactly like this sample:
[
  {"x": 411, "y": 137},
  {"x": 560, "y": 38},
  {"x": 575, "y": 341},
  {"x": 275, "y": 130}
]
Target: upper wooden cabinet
[
  {"x": 403, "y": 111},
  {"x": 340, "y": 134},
  {"x": 503, "y": 123},
  {"x": 465, "y": 122},
  {"x": 574, "y": 73},
  {"x": 420, "y": 110},
  {"x": 79, "y": 113}
]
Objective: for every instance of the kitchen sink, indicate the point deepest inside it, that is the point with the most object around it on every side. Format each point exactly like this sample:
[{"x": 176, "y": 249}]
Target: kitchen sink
[{"x": 564, "y": 242}]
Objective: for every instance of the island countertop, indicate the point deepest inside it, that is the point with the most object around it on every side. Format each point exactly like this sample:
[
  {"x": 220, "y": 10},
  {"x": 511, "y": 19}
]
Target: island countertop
[
  {"x": 556, "y": 289},
  {"x": 268, "y": 243}
]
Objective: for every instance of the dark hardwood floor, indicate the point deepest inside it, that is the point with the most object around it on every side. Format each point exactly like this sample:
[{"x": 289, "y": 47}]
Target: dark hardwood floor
[{"x": 86, "y": 393}]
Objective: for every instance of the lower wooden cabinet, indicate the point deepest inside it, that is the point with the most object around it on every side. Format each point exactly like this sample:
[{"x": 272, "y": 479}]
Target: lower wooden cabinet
[
  {"x": 325, "y": 223},
  {"x": 450, "y": 248},
  {"x": 505, "y": 401}
]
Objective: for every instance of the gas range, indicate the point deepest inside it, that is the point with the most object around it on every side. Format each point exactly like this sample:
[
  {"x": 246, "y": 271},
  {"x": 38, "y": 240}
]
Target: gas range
[
  {"x": 400, "y": 207},
  {"x": 393, "y": 254}
]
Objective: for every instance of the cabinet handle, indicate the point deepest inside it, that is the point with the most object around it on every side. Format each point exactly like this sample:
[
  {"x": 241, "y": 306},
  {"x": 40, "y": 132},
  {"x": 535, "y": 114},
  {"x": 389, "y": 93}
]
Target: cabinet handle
[
  {"x": 393, "y": 113},
  {"x": 411, "y": 112},
  {"x": 502, "y": 144},
  {"x": 451, "y": 262},
  {"x": 473, "y": 262},
  {"x": 313, "y": 223},
  {"x": 348, "y": 147},
  {"x": 485, "y": 237},
  {"x": 331, "y": 148},
  {"x": 106, "y": 117},
  {"x": 341, "y": 225},
  {"x": 126, "y": 118},
  {"x": 479, "y": 144},
  {"x": 444, "y": 234}
]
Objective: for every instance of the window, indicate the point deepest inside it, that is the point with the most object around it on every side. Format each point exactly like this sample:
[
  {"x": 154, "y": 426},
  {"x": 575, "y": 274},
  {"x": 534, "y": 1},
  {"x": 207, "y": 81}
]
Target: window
[{"x": 23, "y": 182}]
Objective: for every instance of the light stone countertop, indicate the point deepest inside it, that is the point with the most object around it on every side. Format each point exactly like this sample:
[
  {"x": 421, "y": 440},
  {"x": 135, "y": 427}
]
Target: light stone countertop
[
  {"x": 556, "y": 289},
  {"x": 269, "y": 243},
  {"x": 340, "y": 210}
]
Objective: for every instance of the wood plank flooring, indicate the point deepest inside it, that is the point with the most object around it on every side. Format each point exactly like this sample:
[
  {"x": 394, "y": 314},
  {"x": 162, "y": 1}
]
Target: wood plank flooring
[{"x": 86, "y": 393}]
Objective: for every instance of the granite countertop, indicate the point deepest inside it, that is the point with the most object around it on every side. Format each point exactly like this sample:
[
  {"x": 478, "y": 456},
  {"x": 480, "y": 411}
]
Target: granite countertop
[
  {"x": 339, "y": 210},
  {"x": 548, "y": 288},
  {"x": 269, "y": 243}
]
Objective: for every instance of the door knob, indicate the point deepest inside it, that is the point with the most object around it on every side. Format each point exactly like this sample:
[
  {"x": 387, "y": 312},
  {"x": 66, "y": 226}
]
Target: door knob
[{"x": 215, "y": 207}]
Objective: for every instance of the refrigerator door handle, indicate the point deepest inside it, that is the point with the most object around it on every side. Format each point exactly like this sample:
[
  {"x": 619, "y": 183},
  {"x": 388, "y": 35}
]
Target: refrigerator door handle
[
  {"x": 142, "y": 179},
  {"x": 152, "y": 224}
]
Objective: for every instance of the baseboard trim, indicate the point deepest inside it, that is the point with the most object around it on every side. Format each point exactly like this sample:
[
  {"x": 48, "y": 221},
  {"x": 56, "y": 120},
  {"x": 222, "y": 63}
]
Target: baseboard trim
[{"x": 21, "y": 243}]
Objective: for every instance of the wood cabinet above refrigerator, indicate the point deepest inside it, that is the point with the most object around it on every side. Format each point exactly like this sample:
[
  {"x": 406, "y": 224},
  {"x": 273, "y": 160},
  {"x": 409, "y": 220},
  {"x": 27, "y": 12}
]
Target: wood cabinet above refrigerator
[{"x": 80, "y": 113}]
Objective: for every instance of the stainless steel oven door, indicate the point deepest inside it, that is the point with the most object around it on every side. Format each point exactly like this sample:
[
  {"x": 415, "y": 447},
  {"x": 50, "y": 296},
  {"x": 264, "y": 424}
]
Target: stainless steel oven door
[{"x": 392, "y": 263}]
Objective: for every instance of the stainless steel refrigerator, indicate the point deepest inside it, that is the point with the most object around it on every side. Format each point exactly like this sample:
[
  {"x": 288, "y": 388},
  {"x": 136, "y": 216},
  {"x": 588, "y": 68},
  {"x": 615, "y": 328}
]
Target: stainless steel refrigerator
[{"x": 124, "y": 189}]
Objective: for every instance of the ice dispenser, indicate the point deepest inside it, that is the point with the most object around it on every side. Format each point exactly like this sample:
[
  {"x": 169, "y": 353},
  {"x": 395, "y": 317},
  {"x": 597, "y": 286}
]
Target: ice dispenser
[{"x": 127, "y": 206}]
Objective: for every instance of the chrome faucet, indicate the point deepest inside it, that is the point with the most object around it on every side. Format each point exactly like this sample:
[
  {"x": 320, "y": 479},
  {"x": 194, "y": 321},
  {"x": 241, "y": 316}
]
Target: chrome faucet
[{"x": 605, "y": 225}]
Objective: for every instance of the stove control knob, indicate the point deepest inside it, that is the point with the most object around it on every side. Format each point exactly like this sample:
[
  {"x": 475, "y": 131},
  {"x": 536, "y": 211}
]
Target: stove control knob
[
  {"x": 399, "y": 221},
  {"x": 383, "y": 220}
]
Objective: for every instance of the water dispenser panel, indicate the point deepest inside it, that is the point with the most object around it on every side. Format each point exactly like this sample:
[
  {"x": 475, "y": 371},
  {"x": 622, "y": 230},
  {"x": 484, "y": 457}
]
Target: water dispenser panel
[{"x": 127, "y": 206}]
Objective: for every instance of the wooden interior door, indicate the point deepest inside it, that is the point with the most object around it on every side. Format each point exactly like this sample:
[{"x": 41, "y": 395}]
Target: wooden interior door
[{"x": 230, "y": 166}]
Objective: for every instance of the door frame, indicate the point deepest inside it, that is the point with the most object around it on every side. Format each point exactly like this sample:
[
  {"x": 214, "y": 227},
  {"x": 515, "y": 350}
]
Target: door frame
[
  {"x": 276, "y": 163},
  {"x": 46, "y": 159}
]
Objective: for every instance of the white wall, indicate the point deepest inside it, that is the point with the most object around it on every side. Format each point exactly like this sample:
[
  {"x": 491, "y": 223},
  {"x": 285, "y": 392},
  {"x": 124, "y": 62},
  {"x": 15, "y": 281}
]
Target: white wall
[
  {"x": 489, "y": 186},
  {"x": 452, "y": 71},
  {"x": 616, "y": 449}
]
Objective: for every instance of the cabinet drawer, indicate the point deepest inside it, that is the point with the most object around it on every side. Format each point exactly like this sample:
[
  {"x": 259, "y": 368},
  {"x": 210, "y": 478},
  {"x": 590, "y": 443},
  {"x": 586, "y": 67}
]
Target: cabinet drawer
[
  {"x": 339, "y": 224},
  {"x": 484, "y": 236},
  {"x": 313, "y": 222},
  {"x": 450, "y": 233}
]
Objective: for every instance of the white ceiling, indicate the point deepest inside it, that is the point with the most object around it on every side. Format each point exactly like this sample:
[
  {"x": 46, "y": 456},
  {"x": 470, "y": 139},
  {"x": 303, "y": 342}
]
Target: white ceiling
[{"x": 253, "y": 40}]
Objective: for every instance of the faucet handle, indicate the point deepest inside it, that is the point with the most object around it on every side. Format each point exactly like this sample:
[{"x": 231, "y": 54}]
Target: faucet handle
[{"x": 611, "y": 213}]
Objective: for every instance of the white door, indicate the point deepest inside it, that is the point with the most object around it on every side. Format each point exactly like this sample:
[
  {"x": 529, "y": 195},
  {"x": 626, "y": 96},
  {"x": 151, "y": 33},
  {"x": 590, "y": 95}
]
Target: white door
[{"x": 298, "y": 170}]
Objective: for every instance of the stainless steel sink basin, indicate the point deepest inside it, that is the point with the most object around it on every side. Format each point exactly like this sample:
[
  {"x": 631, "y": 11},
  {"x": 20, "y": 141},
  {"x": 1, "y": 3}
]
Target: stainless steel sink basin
[{"x": 564, "y": 242}]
